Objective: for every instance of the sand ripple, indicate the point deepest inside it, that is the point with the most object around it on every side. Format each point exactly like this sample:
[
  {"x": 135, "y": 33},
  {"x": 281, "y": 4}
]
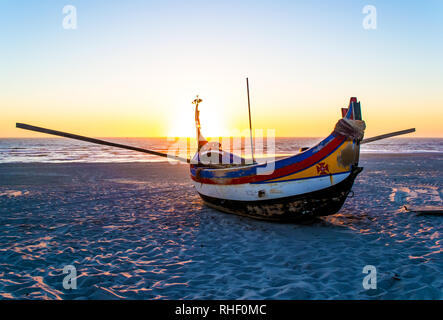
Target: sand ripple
[{"x": 137, "y": 231}]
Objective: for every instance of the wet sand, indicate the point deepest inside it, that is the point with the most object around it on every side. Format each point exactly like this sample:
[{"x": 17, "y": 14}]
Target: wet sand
[{"x": 139, "y": 231}]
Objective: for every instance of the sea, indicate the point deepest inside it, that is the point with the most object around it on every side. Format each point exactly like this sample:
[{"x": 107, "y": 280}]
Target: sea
[{"x": 57, "y": 150}]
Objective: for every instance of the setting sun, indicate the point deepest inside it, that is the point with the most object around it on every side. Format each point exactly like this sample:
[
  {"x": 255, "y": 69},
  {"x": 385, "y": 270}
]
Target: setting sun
[{"x": 182, "y": 123}]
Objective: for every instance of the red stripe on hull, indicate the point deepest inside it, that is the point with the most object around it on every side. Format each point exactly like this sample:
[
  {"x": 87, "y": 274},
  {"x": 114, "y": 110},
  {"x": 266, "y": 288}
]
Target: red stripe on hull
[{"x": 290, "y": 169}]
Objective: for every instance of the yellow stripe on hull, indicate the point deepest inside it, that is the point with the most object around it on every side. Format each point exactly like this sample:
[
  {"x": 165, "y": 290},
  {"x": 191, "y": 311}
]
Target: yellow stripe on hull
[{"x": 339, "y": 161}]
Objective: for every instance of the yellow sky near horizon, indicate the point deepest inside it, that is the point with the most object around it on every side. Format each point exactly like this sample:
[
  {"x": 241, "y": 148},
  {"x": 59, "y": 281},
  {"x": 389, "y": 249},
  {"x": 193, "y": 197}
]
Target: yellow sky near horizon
[
  {"x": 221, "y": 114},
  {"x": 302, "y": 122}
]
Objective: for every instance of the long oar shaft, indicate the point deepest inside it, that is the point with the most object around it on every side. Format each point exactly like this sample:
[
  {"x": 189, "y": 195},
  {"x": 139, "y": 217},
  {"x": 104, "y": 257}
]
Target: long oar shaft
[
  {"x": 387, "y": 135},
  {"x": 97, "y": 141}
]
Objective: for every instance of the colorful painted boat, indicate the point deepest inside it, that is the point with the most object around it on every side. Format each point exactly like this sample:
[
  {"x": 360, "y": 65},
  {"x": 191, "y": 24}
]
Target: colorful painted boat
[{"x": 315, "y": 182}]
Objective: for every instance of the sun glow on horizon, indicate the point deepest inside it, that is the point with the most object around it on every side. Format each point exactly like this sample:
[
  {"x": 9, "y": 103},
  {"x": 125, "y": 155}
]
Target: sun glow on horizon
[{"x": 182, "y": 124}]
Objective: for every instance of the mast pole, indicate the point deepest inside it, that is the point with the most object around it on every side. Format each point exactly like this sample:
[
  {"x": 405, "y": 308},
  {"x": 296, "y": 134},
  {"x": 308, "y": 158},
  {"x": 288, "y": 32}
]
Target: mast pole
[{"x": 250, "y": 123}]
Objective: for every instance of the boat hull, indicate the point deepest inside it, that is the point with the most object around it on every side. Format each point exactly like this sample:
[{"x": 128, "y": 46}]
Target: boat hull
[{"x": 295, "y": 208}]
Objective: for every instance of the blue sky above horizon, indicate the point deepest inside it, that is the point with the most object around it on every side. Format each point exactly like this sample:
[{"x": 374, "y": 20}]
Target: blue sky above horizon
[{"x": 133, "y": 67}]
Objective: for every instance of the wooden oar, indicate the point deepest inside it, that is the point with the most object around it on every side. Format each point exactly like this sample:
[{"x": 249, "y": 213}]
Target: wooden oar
[
  {"x": 387, "y": 135},
  {"x": 426, "y": 210},
  {"x": 98, "y": 141}
]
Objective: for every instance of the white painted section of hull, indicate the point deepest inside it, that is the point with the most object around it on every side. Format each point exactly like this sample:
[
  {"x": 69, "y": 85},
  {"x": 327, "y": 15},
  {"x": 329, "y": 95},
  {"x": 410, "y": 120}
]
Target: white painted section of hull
[{"x": 249, "y": 192}]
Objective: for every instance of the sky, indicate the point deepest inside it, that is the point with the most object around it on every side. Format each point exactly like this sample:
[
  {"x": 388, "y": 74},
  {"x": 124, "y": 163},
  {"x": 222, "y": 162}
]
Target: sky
[{"x": 132, "y": 68}]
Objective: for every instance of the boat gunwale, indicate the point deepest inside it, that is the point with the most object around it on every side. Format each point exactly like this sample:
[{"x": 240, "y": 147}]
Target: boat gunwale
[{"x": 213, "y": 175}]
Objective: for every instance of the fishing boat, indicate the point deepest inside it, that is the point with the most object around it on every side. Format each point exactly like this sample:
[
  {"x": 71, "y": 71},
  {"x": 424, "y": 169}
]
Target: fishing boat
[{"x": 314, "y": 182}]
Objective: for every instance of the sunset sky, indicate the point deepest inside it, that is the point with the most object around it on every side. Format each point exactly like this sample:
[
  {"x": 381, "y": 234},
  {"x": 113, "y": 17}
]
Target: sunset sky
[{"x": 132, "y": 68}]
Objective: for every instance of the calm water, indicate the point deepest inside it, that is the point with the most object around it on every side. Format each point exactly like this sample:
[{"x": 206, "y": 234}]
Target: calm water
[{"x": 64, "y": 150}]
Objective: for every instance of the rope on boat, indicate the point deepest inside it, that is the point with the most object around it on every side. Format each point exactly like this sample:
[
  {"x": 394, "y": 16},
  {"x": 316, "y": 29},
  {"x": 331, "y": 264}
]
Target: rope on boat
[{"x": 353, "y": 129}]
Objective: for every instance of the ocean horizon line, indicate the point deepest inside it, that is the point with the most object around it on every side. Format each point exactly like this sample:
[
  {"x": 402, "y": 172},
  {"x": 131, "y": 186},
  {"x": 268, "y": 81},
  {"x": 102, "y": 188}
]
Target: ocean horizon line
[{"x": 216, "y": 137}]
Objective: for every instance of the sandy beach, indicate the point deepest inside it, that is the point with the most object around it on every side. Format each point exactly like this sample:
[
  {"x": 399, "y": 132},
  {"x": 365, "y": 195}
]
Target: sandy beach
[{"x": 140, "y": 231}]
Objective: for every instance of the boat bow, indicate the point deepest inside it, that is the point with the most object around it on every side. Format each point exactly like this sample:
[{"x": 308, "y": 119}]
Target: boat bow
[{"x": 329, "y": 167}]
